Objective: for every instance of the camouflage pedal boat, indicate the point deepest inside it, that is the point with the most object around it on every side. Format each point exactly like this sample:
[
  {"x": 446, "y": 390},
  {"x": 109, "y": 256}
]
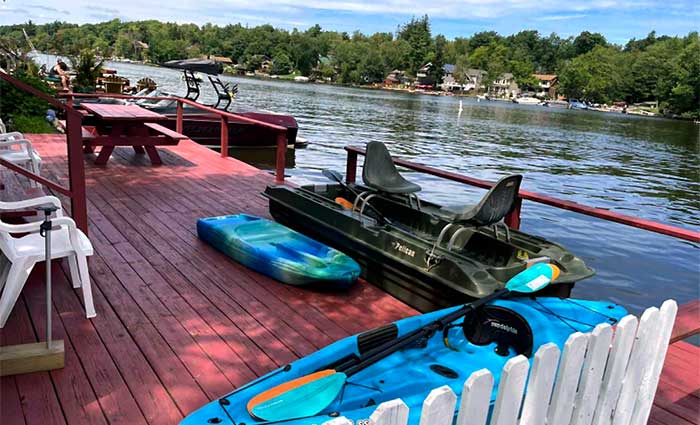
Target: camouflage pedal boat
[{"x": 425, "y": 255}]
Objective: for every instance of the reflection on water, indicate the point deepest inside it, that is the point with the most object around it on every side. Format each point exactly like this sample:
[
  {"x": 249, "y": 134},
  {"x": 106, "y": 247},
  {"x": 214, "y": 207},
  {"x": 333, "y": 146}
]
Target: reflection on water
[{"x": 637, "y": 166}]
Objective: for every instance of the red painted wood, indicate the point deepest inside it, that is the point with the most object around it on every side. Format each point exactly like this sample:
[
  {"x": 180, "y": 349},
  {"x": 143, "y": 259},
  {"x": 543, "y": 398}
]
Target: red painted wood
[
  {"x": 180, "y": 321},
  {"x": 111, "y": 112},
  {"x": 687, "y": 321},
  {"x": 281, "y": 155},
  {"x": 179, "y": 115},
  {"x": 640, "y": 223},
  {"x": 165, "y": 131},
  {"x": 224, "y": 137}
]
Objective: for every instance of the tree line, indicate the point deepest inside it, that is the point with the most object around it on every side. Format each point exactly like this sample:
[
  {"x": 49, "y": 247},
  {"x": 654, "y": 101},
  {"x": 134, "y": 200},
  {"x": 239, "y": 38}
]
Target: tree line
[{"x": 656, "y": 68}]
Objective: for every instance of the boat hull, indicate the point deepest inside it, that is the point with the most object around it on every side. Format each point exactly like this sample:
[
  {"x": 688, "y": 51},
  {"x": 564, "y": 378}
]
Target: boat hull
[
  {"x": 487, "y": 339},
  {"x": 278, "y": 251},
  {"x": 205, "y": 129},
  {"x": 395, "y": 260}
]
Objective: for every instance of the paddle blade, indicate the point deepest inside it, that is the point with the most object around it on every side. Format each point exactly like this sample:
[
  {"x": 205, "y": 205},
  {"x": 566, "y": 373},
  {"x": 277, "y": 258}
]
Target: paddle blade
[
  {"x": 298, "y": 398},
  {"x": 533, "y": 279},
  {"x": 332, "y": 175}
]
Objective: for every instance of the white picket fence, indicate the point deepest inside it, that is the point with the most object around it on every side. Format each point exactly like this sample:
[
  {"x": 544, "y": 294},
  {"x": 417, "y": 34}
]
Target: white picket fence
[{"x": 606, "y": 377}]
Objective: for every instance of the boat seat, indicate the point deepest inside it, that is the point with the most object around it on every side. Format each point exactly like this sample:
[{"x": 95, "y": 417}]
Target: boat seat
[
  {"x": 380, "y": 173},
  {"x": 493, "y": 207},
  {"x": 498, "y": 202}
]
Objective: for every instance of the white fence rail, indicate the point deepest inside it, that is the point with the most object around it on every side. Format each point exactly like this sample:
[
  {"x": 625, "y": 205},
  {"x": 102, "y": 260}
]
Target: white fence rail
[{"x": 607, "y": 377}]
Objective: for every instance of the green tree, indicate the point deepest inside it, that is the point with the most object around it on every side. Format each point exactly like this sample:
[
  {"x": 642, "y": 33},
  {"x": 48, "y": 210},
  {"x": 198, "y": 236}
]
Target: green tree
[
  {"x": 417, "y": 34},
  {"x": 587, "y": 41},
  {"x": 281, "y": 64}
]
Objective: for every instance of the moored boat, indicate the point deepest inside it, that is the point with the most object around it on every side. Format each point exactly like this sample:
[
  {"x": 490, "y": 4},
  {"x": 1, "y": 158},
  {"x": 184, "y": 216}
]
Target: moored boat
[
  {"x": 527, "y": 100},
  {"x": 486, "y": 338},
  {"x": 426, "y": 255}
]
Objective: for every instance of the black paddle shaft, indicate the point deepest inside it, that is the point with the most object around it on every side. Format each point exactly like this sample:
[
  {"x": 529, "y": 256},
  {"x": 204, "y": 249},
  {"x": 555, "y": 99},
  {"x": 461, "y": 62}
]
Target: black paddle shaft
[{"x": 391, "y": 347}]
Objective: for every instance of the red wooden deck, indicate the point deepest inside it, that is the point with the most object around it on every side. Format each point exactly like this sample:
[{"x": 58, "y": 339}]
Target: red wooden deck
[{"x": 178, "y": 323}]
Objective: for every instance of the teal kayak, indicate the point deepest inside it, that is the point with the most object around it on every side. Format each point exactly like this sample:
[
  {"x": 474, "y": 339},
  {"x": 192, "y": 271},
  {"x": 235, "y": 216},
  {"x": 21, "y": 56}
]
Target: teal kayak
[
  {"x": 486, "y": 338},
  {"x": 277, "y": 251}
]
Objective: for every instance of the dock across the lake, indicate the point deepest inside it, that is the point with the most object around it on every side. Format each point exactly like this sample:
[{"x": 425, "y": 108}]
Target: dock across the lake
[{"x": 179, "y": 324}]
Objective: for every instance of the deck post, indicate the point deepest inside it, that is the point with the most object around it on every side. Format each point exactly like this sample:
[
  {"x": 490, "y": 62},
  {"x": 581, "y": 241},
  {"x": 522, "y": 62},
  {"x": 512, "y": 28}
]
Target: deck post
[
  {"x": 513, "y": 219},
  {"x": 76, "y": 169},
  {"x": 224, "y": 136},
  {"x": 69, "y": 100},
  {"x": 281, "y": 157},
  {"x": 178, "y": 122},
  {"x": 351, "y": 167}
]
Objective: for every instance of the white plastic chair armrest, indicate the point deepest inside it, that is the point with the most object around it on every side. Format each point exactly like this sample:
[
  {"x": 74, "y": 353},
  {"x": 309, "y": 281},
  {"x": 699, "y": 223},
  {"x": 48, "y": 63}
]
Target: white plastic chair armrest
[
  {"x": 34, "y": 202},
  {"x": 34, "y": 226},
  {"x": 14, "y": 135},
  {"x": 24, "y": 144}
]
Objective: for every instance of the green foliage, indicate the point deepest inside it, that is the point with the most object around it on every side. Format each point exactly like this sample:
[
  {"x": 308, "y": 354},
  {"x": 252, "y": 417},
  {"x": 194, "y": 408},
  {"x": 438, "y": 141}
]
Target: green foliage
[
  {"x": 31, "y": 124},
  {"x": 655, "y": 68},
  {"x": 281, "y": 64},
  {"x": 16, "y": 103},
  {"x": 87, "y": 68}
]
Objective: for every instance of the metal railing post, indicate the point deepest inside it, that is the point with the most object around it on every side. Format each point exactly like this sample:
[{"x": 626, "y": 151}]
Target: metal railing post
[
  {"x": 76, "y": 169},
  {"x": 281, "y": 156},
  {"x": 351, "y": 167},
  {"x": 224, "y": 136},
  {"x": 178, "y": 122}
]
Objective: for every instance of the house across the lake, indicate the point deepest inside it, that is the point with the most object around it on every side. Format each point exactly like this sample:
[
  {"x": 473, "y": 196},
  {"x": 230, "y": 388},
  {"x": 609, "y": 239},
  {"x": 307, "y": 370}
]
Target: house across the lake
[
  {"x": 548, "y": 84},
  {"x": 504, "y": 86},
  {"x": 424, "y": 77},
  {"x": 470, "y": 81},
  {"x": 396, "y": 78}
]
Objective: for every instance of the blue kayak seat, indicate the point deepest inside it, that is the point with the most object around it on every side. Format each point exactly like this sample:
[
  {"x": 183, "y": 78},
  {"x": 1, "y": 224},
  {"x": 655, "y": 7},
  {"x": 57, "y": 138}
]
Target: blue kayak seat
[{"x": 380, "y": 173}]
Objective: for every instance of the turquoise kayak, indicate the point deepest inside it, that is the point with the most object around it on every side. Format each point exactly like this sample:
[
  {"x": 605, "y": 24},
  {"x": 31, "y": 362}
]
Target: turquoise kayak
[
  {"x": 486, "y": 338},
  {"x": 277, "y": 251}
]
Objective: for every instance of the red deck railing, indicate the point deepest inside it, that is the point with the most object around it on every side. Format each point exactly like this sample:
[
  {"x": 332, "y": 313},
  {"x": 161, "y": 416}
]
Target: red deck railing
[
  {"x": 224, "y": 116},
  {"x": 76, "y": 167},
  {"x": 513, "y": 220}
]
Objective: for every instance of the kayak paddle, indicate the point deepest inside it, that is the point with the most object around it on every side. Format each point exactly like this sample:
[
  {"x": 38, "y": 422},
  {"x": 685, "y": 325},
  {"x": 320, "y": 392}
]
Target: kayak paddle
[{"x": 310, "y": 394}]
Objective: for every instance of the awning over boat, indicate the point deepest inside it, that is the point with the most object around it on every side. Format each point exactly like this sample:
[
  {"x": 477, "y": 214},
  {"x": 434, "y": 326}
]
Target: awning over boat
[{"x": 206, "y": 66}]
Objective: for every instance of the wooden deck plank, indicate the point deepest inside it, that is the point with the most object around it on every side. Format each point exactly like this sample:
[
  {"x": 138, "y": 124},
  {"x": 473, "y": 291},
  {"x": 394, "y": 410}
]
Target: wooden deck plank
[
  {"x": 168, "y": 303},
  {"x": 687, "y": 321},
  {"x": 39, "y": 402}
]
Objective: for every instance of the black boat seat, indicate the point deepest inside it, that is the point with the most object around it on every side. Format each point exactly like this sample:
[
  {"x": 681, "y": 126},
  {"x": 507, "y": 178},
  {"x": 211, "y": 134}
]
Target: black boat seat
[
  {"x": 500, "y": 201},
  {"x": 380, "y": 173}
]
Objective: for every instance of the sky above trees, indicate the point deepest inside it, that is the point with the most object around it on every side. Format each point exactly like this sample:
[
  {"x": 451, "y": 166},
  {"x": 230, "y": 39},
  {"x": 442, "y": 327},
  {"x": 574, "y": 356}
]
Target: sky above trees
[{"x": 618, "y": 20}]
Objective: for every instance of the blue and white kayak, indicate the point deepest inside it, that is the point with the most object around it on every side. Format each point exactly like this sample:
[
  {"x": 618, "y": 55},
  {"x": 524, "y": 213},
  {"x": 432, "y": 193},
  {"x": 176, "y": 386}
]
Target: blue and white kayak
[
  {"x": 486, "y": 338},
  {"x": 277, "y": 251}
]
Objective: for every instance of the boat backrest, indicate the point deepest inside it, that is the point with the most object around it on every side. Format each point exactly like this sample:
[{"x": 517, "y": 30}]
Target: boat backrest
[
  {"x": 192, "y": 85},
  {"x": 380, "y": 173},
  {"x": 496, "y": 204}
]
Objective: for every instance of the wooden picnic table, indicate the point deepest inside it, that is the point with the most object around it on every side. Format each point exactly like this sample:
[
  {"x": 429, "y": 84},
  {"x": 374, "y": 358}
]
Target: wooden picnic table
[{"x": 127, "y": 125}]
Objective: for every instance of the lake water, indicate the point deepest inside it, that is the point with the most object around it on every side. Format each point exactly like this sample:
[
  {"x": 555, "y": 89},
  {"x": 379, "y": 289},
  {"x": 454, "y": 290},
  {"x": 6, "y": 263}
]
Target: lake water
[{"x": 643, "y": 167}]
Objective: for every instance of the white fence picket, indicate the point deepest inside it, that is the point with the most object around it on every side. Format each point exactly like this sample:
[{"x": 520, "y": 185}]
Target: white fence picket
[
  {"x": 641, "y": 351},
  {"x": 566, "y": 382},
  {"x": 647, "y": 391},
  {"x": 339, "y": 421},
  {"x": 539, "y": 385},
  {"x": 592, "y": 374},
  {"x": 439, "y": 407},
  {"x": 476, "y": 399},
  {"x": 394, "y": 412},
  {"x": 615, "y": 370},
  {"x": 595, "y": 383},
  {"x": 510, "y": 391}
]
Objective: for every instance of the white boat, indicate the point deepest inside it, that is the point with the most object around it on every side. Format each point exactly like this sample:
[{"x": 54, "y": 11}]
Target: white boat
[
  {"x": 527, "y": 100},
  {"x": 301, "y": 79}
]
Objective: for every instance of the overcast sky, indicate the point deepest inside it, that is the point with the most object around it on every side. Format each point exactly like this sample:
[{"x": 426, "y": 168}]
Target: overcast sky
[{"x": 618, "y": 20}]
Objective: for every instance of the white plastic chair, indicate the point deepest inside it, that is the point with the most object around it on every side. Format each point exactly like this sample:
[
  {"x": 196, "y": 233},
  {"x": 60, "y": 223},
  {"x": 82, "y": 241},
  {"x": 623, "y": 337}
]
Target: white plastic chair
[
  {"x": 16, "y": 149},
  {"x": 22, "y": 253}
]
